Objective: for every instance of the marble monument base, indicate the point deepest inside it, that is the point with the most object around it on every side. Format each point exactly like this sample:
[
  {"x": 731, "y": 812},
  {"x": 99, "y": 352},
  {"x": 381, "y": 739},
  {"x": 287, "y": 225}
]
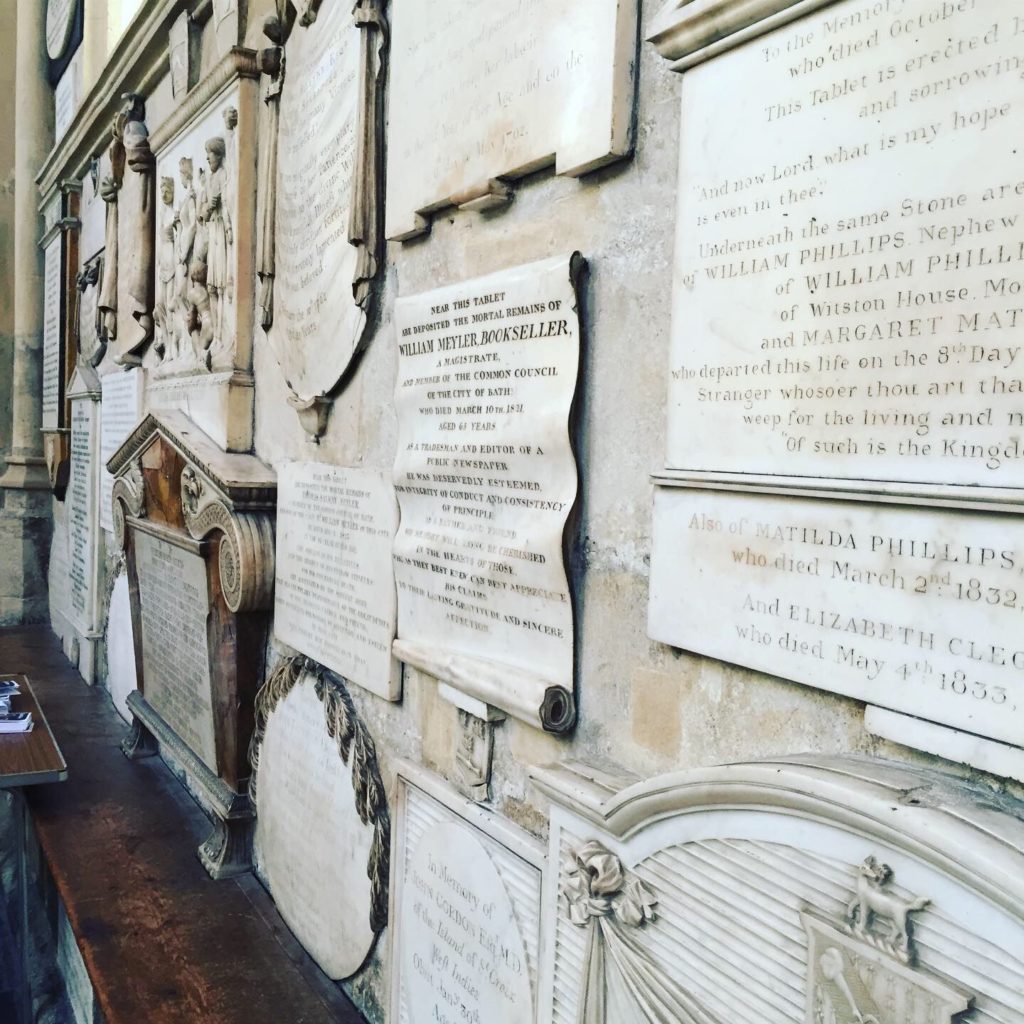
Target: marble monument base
[{"x": 227, "y": 851}]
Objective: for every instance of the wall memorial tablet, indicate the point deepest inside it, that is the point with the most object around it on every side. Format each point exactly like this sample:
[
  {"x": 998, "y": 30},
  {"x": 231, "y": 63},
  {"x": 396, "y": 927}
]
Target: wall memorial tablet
[
  {"x": 196, "y": 526},
  {"x": 335, "y": 586},
  {"x": 174, "y": 608},
  {"x": 120, "y": 413},
  {"x": 323, "y": 829},
  {"x": 82, "y": 505},
  {"x": 804, "y": 890},
  {"x": 486, "y": 479},
  {"x": 466, "y": 940},
  {"x": 52, "y": 267},
  {"x": 849, "y": 260},
  {"x": 321, "y": 223},
  {"x": 914, "y": 609},
  {"x": 203, "y": 265},
  {"x": 484, "y": 91},
  {"x": 844, "y": 323}
]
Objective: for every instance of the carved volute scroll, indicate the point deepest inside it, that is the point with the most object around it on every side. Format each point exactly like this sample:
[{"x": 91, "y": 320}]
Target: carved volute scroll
[
  {"x": 246, "y": 555},
  {"x": 128, "y": 499},
  {"x": 307, "y": 275}
]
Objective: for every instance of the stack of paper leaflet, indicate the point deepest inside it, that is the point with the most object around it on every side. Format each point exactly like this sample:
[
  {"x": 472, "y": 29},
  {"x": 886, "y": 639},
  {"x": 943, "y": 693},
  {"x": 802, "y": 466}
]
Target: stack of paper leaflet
[{"x": 12, "y": 721}]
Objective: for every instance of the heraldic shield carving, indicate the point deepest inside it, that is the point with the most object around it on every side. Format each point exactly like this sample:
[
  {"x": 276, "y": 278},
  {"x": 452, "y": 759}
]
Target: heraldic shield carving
[{"x": 861, "y": 967}]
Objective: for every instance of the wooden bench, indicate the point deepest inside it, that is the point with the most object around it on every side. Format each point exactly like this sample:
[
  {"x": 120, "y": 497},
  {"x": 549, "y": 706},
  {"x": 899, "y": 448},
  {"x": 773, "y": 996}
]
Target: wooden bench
[{"x": 160, "y": 940}]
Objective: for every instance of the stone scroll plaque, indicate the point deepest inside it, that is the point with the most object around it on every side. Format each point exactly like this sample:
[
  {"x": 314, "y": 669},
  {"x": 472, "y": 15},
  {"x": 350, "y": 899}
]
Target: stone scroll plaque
[
  {"x": 120, "y": 413},
  {"x": 482, "y": 91},
  {"x": 467, "y": 913},
  {"x": 913, "y": 609},
  {"x": 175, "y": 607},
  {"x": 52, "y": 265},
  {"x": 850, "y": 263},
  {"x": 485, "y": 474},
  {"x": 335, "y": 585}
]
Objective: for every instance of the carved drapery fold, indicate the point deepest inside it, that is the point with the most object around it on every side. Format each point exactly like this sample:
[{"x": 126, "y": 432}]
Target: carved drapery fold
[
  {"x": 142, "y": 224},
  {"x": 600, "y": 897},
  {"x": 364, "y": 215},
  {"x": 355, "y": 747},
  {"x": 92, "y": 340},
  {"x": 109, "y": 188},
  {"x": 128, "y": 498},
  {"x": 246, "y": 557},
  {"x": 272, "y": 64}
]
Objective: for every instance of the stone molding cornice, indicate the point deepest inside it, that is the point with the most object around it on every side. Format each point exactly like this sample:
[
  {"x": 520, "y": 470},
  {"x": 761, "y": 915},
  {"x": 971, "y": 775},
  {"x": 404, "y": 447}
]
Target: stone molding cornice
[{"x": 687, "y": 32}]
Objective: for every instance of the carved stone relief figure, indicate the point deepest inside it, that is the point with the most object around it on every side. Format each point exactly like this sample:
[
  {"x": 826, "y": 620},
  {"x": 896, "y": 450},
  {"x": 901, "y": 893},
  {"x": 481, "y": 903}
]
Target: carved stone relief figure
[
  {"x": 141, "y": 230},
  {"x": 92, "y": 343},
  {"x": 195, "y": 275},
  {"x": 860, "y": 968},
  {"x": 164, "y": 310},
  {"x": 108, "y": 190}
]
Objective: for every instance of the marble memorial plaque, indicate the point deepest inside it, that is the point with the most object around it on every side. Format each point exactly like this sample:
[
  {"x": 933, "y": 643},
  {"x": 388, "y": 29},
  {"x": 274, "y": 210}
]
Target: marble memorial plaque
[
  {"x": 482, "y": 91},
  {"x": 849, "y": 259},
  {"x": 60, "y": 22},
  {"x": 120, "y": 414},
  {"x": 175, "y": 606},
  {"x": 121, "y": 675},
  {"x": 485, "y": 474},
  {"x": 310, "y": 842},
  {"x": 912, "y": 609},
  {"x": 317, "y": 323},
  {"x": 796, "y": 890},
  {"x": 67, "y": 96},
  {"x": 467, "y": 923},
  {"x": 82, "y": 513},
  {"x": 52, "y": 266},
  {"x": 334, "y": 590}
]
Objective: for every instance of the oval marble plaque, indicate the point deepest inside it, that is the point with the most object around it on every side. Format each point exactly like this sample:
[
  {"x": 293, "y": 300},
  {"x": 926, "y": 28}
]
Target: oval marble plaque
[
  {"x": 309, "y": 840},
  {"x": 317, "y": 324},
  {"x": 60, "y": 19},
  {"x": 462, "y": 950}
]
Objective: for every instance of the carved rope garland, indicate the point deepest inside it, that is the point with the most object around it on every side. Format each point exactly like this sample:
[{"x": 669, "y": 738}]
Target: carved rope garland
[{"x": 355, "y": 746}]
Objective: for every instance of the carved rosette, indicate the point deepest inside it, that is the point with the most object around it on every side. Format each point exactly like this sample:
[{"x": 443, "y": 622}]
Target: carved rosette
[
  {"x": 246, "y": 560},
  {"x": 128, "y": 498}
]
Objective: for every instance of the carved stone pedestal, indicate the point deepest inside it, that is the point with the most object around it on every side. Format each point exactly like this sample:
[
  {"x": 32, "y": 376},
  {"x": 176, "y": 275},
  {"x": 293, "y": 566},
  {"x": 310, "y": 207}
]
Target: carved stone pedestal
[{"x": 197, "y": 528}]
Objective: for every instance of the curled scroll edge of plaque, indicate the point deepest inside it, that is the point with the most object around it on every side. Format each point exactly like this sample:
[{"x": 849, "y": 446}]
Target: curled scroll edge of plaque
[{"x": 525, "y": 695}]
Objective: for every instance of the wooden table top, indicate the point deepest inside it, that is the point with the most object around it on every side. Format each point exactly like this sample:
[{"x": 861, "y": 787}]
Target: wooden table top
[{"x": 29, "y": 758}]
